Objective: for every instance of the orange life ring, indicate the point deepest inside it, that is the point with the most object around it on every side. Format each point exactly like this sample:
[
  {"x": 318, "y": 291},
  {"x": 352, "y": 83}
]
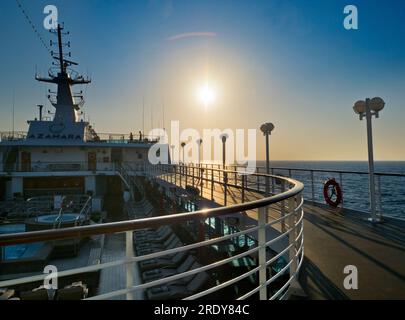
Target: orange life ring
[{"x": 332, "y": 192}]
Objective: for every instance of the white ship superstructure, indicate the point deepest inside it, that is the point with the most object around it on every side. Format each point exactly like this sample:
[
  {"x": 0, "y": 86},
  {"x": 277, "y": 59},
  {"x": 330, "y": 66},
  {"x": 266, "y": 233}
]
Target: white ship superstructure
[{"x": 63, "y": 152}]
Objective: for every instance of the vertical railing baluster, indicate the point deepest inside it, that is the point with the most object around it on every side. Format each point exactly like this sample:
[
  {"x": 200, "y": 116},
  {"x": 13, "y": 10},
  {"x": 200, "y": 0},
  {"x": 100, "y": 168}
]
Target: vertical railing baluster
[
  {"x": 292, "y": 235},
  {"x": 262, "y": 253},
  {"x": 312, "y": 186},
  {"x": 282, "y": 209},
  {"x": 201, "y": 174},
  {"x": 212, "y": 184},
  {"x": 243, "y": 176},
  {"x": 380, "y": 207},
  {"x": 129, "y": 246},
  {"x": 225, "y": 188},
  {"x": 341, "y": 186}
]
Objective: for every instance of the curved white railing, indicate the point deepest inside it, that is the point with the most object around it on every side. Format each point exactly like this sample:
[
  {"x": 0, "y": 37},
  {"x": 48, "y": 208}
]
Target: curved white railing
[{"x": 277, "y": 225}]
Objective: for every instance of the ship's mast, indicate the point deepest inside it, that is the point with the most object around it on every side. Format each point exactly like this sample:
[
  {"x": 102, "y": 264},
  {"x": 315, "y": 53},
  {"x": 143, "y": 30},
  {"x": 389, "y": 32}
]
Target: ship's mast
[
  {"x": 64, "y": 102},
  {"x": 61, "y": 62}
]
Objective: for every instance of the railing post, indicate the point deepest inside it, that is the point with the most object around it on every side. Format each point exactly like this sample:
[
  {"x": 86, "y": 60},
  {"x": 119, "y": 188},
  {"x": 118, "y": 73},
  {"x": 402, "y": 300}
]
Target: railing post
[
  {"x": 193, "y": 172},
  {"x": 312, "y": 186},
  {"x": 282, "y": 209},
  {"x": 341, "y": 186},
  {"x": 243, "y": 176},
  {"x": 181, "y": 174},
  {"x": 212, "y": 184},
  {"x": 225, "y": 188},
  {"x": 202, "y": 181},
  {"x": 380, "y": 208},
  {"x": 267, "y": 185},
  {"x": 262, "y": 253},
  {"x": 292, "y": 235},
  {"x": 129, "y": 266}
]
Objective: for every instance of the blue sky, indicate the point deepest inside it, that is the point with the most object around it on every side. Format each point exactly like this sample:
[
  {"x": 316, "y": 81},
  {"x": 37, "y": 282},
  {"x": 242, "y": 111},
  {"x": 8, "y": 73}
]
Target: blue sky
[{"x": 289, "y": 62}]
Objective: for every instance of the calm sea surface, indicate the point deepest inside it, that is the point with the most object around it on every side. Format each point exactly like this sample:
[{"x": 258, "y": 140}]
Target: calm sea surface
[{"x": 355, "y": 186}]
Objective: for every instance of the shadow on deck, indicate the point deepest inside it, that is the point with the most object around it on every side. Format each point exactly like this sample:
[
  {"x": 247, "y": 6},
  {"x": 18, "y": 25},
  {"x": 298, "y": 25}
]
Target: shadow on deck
[{"x": 335, "y": 239}]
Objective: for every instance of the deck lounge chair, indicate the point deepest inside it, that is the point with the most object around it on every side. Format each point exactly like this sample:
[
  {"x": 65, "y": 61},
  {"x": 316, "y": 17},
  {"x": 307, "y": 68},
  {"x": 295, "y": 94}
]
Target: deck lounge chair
[
  {"x": 154, "y": 237},
  {"x": 37, "y": 294},
  {"x": 152, "y": 249},
  {"x": 76, "y": 291},
  {"x": 6, "y": 294},
  {"x": 158, "y": 246},
  {"x": 147, "y": 243},
  {"x": 176, "y": 291},
  {"x": 149, "y": 231},
  {"x": 169, "y": 261},
  {"x": 188, "y": 264}
]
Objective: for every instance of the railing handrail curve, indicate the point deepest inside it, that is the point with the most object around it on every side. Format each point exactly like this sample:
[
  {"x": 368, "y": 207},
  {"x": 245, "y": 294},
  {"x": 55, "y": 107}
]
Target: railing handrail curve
[{"x": 122, "y": 226}]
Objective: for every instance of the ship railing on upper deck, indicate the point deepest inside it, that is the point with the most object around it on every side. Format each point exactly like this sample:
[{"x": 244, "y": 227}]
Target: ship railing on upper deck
[
  {"x": 72, "y": 166},
  {"x": 274, "y": 221},
  {"x": 125, "y": 138},
  {"x": 13, "y": 136},
  {"x": 354, "y": 185}
]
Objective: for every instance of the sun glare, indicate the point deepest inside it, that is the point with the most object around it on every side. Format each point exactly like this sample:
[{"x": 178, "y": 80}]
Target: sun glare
[{"x": 206, "y": 95}]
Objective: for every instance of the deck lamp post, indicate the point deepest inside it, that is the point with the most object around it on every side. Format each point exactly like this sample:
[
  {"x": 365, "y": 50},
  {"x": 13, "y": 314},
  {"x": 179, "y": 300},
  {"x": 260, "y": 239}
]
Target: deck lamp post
[
  {"x": 267, "y": 128},
  {"x": 199, "y": 143},
  {"x": 368, "y": 109},
  {"x": 224, "y": 137},
  {"x": 183, "y": 144}
]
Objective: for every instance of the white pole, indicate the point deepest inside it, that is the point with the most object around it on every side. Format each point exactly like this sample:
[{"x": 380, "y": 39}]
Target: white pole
[
  {"x": 199, "y": 154},
  {"x": 371, "y": 161},
  {"x": 262, "y": 253},
  {"x": 129, "y": 266},
  {"x": 267, "y": 163}
]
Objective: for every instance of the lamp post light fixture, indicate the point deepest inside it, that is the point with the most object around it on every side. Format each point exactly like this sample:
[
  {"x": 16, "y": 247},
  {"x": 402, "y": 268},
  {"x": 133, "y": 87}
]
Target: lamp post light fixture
[
  {"x": 224, "y": 137},
  {"x": 267, "y": 128},
  {"x": 183, "y": 144},
  {"x": 368, "y": 109},
  {"x": 199, "y": 143}
]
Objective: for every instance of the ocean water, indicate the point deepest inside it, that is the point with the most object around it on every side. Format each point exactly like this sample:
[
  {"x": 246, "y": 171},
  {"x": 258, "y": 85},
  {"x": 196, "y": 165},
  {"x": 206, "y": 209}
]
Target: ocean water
[{"x": 355, "y": 186}]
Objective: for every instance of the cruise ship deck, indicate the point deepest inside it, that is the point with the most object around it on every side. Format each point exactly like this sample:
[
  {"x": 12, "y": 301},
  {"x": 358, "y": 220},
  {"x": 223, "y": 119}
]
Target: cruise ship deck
[
  {"x": 335, "y": 238},
  {"x": 330, "y": 239}
]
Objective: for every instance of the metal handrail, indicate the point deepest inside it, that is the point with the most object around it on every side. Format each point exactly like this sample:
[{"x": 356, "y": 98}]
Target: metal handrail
[
  {"x": 85, "y": 210},
  {"x": 144, "y": 223},
  {"x": 294, "y": 234},
  {"x": 122, "y": 226}
]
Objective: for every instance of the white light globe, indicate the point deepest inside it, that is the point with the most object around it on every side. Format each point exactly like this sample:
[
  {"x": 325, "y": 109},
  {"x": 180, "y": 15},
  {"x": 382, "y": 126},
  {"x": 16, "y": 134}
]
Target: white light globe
[
  {"x": 360, "y": 107},
  {"x": 377, "y": 104},
  {"x": 267, "y": 128}
]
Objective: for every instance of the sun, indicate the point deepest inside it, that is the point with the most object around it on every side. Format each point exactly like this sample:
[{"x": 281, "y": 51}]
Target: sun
[{"x": 206, "y": 94}]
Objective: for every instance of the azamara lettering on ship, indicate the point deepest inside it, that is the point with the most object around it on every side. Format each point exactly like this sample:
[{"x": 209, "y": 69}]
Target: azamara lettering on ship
[{"x": 55, "y": 136}]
